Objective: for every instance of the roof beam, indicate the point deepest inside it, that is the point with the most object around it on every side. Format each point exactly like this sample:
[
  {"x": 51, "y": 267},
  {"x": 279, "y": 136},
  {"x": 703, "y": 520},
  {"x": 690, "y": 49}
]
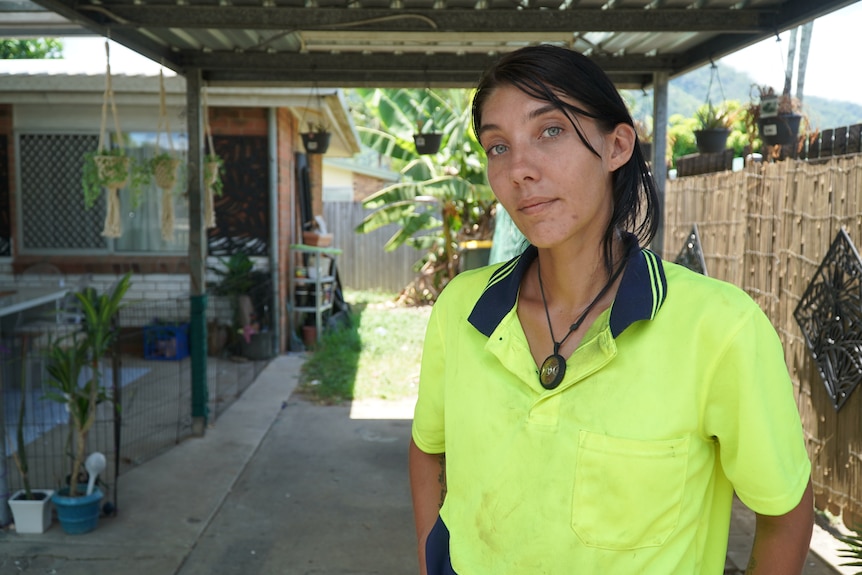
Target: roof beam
[
  {"x": 575, "y": 20},
  {"x": 358, "y": 78},
  {"x": 354, "y": 69}
]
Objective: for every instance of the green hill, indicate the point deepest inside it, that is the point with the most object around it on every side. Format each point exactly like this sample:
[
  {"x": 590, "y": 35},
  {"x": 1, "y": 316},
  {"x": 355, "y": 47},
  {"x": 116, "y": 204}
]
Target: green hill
[{"x": 686, "y": 93}]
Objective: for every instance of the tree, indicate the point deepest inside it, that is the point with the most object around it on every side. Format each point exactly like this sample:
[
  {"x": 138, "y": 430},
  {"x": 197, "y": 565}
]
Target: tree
[
  {"x": 442, "y": 199},
  {"x": 40, "y": 48}
]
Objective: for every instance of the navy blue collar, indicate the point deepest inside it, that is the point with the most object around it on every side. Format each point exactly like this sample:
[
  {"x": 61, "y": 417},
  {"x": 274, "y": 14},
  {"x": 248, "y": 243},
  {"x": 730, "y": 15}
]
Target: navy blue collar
[{"x": 641, "y": 294}]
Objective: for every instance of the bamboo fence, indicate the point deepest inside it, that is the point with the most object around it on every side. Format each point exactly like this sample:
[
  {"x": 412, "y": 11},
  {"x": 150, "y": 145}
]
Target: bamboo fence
[{"x": 766, "y": 229}]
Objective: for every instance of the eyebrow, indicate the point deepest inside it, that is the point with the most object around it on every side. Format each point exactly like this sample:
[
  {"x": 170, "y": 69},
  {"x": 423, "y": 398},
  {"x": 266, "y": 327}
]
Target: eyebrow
[{"x": 541, "y": 111}]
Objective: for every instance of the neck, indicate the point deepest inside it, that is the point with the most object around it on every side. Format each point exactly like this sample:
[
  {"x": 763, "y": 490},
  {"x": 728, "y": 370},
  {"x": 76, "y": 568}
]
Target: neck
[{"x": 573, "y": 278}]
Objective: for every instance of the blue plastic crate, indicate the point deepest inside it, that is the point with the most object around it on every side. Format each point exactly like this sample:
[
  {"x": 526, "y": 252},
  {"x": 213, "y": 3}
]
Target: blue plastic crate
[{"x": 166, "y": 342}]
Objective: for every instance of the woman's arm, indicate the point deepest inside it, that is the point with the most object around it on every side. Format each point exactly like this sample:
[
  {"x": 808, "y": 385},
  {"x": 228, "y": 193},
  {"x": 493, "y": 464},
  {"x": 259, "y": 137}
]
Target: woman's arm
[
  {"x": 428, "y": 487},
  {"x": 781, "y": 542}
]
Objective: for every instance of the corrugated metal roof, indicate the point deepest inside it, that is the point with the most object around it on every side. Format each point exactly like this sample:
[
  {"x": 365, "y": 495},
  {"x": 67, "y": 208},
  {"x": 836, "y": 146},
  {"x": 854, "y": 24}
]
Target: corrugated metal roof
[
  {"x": 417, "y": 42},
  {"x": 48, "y": 82}
]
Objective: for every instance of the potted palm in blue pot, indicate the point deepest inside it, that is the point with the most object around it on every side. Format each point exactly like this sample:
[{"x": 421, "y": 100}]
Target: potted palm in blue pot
[{"x": 77, "y": 510}]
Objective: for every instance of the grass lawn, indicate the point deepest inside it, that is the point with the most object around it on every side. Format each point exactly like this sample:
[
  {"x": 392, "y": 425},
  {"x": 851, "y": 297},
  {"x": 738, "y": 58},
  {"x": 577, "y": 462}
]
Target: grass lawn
[{"x": 377, "y": 356}]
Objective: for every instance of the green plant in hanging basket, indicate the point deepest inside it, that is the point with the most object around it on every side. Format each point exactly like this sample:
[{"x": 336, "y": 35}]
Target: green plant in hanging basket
[
  {"x": 113, "y": 169},
  {"x": 165, "y": 170},
  {"x": 101, "y": 171},
  {"x": 213, "y": 166},
  {"x": 719, "y": 117}
]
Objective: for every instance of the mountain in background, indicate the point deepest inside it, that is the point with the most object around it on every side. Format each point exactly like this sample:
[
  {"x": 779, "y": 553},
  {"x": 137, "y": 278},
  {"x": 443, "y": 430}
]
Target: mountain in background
[{"x": 686, "y": 93}]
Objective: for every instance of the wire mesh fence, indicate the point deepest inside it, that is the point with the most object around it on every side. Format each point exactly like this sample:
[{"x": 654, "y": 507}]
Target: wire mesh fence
[{"x": 148, "y": 375}]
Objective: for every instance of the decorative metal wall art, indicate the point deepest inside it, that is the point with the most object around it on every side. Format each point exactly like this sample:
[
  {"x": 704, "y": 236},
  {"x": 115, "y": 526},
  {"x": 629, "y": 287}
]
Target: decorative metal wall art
[
  {"x": 691, "y": 254},
  {"x": 830, "y": 317}
]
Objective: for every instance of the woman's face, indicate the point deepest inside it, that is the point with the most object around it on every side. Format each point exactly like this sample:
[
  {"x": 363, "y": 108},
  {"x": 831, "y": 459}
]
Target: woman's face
[{"x": 555, "y": 189}]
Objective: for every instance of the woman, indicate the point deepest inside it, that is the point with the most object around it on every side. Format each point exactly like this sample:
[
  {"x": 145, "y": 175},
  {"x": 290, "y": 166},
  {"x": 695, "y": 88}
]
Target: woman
[{"x": 586, "y": 407}]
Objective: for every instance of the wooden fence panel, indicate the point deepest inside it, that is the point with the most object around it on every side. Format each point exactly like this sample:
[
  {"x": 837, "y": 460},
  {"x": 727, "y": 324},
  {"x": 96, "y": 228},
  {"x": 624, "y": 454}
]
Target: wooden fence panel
[
  {"x": 792, "y": 213},
  {"x": 716, "y": 203},
  {"x": 760, "y": 257},
  {"x": 364, "y": 264}
]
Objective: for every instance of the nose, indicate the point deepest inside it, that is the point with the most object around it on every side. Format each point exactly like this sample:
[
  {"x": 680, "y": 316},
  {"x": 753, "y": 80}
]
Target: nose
[{"x": 523, "y": 165}]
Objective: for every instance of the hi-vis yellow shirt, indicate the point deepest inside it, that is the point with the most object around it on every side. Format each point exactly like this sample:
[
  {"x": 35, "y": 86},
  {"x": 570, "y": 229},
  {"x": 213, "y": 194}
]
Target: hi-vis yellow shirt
[{"x": 676, "y": 396}]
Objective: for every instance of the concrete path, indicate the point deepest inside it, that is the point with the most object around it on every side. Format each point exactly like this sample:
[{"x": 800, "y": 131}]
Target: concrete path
[{"x": 277, "y": 486}]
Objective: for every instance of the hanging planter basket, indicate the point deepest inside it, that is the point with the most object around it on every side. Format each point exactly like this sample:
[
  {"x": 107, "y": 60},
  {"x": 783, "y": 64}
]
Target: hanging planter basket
[
  {"x": 113, "y": 170},
  {"x": 316, "y": 142},
  {"x": 165, "y": 171},
  {"x": 711, "y": 141},
  {"x": 427, "y": 143},
  {"x": 213, "y": 183},
  {"x": 211, "y": 173},
  {"x": 779, "y": 130}
]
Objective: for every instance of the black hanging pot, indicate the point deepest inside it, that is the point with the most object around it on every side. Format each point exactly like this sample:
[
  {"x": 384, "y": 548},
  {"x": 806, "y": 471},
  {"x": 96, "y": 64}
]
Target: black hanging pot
[
  {"x": 427, "y": 143},
  {"x": 316, "y": 142},
  {"x": 711, "y": 141},
  {"x": 779, "y": 130}
]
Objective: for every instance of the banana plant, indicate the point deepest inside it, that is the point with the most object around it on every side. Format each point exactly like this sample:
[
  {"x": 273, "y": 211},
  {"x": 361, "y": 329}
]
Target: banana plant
[{"x": 442, "y": 199}]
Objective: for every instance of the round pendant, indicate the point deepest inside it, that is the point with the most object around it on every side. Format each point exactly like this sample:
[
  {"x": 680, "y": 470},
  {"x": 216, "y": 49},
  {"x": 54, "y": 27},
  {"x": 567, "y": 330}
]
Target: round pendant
[{"x": 552, "y": 372}]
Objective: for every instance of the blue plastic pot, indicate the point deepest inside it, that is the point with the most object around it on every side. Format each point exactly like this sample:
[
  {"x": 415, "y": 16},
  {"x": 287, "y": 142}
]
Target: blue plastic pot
[{"x": 77, "y": 514}]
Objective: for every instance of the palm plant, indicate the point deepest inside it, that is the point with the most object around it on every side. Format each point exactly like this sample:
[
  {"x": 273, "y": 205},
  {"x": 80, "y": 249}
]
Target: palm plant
[
  {"x": 852, "y": 551},
  {"x": 66, "y": 360}
]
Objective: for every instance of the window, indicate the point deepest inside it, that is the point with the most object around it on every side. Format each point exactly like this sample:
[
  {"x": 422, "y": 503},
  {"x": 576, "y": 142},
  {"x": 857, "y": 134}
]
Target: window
[{"x": 53, "y": 218}]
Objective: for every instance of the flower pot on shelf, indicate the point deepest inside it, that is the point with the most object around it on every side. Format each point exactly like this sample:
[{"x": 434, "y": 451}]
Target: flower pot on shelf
[
  {"x": 79, "y": 514},
  {"x": 316, "y": 239},
  {"x": 779, "y": 130},
  {"x": 32, "y": 515},
  {"x": 316, "y": 142},
  {"x": 427, "y": 143}
]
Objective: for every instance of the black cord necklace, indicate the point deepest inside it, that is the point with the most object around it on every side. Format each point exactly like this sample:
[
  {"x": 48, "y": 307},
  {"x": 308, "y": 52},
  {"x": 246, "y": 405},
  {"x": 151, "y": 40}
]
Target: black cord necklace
[{"x": 554, "y": 367}]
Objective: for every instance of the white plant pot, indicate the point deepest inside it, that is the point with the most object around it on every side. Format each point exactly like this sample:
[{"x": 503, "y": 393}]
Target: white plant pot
[{"x": 31, "y": 516}]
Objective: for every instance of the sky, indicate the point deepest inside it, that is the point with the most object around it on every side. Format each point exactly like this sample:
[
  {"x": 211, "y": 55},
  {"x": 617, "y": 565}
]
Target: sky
[{"x": 828, "y": 73}]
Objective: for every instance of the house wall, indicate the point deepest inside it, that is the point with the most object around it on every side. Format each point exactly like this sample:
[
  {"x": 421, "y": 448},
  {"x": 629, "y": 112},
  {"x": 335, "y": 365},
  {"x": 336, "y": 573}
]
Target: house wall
[
  {"x": 339, "y": 184},
  {"x": 156, "y": 276},
  {"x": 364, "y": 186}
]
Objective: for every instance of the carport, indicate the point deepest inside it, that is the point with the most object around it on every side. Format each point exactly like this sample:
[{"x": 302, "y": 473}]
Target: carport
[{"x": 404, "y": 43}]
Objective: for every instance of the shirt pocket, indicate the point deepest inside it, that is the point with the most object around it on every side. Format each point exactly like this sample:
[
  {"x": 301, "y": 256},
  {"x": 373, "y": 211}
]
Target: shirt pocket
[{"x": 628, "y": 493}]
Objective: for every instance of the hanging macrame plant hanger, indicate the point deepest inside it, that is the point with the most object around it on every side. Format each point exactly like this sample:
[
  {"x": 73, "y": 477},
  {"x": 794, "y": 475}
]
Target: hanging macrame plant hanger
[
  {"x": 165, "y": 166},
  {"x": 113, "y": 169},
  {"x": 212, "y": 168}
]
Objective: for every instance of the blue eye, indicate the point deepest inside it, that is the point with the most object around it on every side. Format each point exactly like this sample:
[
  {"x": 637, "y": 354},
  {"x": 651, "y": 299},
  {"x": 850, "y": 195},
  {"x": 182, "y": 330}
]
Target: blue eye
[
  {"x": 496, "y": 150},
  {"x": 553, "y": 131}
]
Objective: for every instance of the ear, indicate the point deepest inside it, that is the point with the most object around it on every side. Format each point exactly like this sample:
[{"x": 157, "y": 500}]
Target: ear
[{"x": 622, "y": 145}]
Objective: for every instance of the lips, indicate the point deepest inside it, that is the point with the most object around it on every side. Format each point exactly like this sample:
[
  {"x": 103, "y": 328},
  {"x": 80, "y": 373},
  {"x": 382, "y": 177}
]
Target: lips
[{"x": 532, "y": 205}]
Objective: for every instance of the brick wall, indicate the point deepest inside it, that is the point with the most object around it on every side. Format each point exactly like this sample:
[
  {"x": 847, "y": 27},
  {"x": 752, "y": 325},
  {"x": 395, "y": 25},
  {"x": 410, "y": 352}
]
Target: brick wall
[
  {"x": 238, "y": 121},
  {"x": 364, "y": 186}
]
